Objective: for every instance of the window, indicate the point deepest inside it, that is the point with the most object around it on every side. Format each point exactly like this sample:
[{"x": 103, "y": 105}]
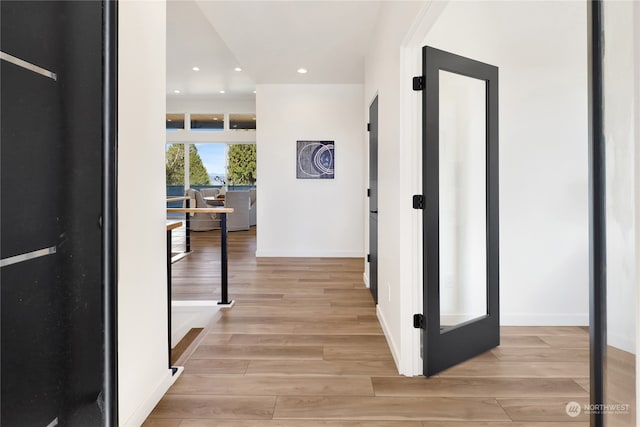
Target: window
[
  {"x": 175, "y": 121},
  {"x": 207, "y": 122},
  {"x": 242, "y": 121},
  {"x": 210, "y": 165}
]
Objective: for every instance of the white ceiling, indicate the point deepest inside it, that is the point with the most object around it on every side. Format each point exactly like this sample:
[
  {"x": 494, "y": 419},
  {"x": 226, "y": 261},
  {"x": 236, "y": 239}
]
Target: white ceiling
[
  {"x": 269, "y": 40},
  {"x": 192, "y": 41}
]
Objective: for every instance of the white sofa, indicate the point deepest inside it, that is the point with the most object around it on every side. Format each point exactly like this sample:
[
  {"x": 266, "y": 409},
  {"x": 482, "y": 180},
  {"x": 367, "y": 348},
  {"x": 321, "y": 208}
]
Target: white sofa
[
  {"x": 201, "y": 221},
  {"x": 252, "y": 207},
  {"x": 239, "y": 201}
]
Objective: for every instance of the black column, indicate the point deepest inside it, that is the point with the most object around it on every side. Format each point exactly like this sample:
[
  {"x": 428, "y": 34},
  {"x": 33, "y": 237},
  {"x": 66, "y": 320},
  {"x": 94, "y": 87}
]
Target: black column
[{"x": 597, "y": 214}]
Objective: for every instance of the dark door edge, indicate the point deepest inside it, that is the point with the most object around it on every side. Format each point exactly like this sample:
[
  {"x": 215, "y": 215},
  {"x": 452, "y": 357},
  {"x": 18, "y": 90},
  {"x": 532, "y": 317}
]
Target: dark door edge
[{"x": 109, "y": 210}]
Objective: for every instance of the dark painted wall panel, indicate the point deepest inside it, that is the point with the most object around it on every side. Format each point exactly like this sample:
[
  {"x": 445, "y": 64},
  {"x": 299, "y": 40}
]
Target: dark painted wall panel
[
  {"x": 51, "y": 181},
  {"x": 81, "y": 87},
  {"x": 31, "y": 161},
  {"x": 33, "y": 31},
  {"x": 32, "y": 343}
]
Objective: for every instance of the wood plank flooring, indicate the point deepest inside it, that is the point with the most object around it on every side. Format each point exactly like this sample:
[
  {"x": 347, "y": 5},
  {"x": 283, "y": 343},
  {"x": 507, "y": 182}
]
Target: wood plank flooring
[{"x": 303, "y": 347}]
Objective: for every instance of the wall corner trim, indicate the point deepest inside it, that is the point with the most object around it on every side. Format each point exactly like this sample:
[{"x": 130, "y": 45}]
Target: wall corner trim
[{"x": 140, "y": 415}]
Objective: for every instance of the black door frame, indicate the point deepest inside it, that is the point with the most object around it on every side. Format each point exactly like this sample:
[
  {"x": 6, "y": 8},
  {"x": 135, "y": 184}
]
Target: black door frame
[
  {"x": 110, "y": 210},
  {"x": 445, "y": 349},
  {"x": 597, "y": 212}
]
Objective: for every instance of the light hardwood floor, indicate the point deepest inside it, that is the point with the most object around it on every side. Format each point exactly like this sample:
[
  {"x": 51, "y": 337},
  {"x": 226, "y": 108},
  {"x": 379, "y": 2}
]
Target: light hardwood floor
[{"x": 303, "y": 347}]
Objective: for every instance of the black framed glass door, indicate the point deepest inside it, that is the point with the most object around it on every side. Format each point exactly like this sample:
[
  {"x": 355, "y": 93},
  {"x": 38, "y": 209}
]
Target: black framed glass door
[{"x": 460, "y": 182}]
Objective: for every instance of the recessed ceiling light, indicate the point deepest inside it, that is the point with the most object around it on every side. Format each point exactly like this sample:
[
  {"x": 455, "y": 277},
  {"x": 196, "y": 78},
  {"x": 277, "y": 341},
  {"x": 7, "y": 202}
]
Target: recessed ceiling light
[
  {"x": 221, "y": 91},
  {"x": 254, "y": 91},
  {"x": 238, "y": 69},
  {"x": 196, "y": 68},
  {"x": 169, "y": 120},
  {"x": 302, "y": 70},
  {"x": 176, "y": 91}
]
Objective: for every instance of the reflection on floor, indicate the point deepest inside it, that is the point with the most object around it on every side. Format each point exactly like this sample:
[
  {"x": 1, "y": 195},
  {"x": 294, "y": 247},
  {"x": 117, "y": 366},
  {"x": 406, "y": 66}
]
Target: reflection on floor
[{"x": 303, "y": 347}]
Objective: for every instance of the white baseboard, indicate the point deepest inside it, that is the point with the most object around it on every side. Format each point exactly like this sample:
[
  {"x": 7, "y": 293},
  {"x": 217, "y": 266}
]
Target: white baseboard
[
  {"x": 143, "y": 411},
  {"x": 309, "y": 254},
  {"x": 558, "y": 319},
  {"x": 365, "y": 279},
  {"x": 392, "y": 345}
]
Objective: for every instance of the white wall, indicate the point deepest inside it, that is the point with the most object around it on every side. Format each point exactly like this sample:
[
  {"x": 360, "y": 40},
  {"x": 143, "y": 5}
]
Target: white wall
[
  {"x": 543, "y": 149},
  {"x": 143, "y": 374},
  {"x": 307, "y": 217},
  {"x": 543, "y": 155},
  {"x": 198, "y": 104},
  {"x": 382, "y": 78},
  {"x": 636, "y": 37},
  {"x": 620, "y": 137}
]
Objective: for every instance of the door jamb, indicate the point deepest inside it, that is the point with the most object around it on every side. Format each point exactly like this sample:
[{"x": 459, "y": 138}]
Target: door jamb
[{"x": 410, "y": 182}]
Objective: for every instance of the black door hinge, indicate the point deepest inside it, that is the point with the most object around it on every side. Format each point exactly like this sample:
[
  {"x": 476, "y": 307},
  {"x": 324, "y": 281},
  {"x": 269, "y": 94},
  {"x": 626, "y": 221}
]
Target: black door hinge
[
  {"x": 418, "y": 83},
  {"x": 368, "y": 257},
  {"x": 418, "y": 201},
  {"x": 368, "y": 127},
  {"x": 418, "y": 321},
  {"x": 368, "y": 192}
]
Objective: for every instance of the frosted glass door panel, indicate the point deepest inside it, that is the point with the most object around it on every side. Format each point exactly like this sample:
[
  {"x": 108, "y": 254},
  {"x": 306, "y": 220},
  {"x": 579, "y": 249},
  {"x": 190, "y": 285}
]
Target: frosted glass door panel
[{"x": 462, "y": 208}]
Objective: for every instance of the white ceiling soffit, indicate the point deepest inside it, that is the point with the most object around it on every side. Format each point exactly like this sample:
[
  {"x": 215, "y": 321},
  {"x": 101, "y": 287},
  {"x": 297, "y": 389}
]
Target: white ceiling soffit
[
  {"x": 193, "y": 42},
  {"x": 273, "y": 39}
]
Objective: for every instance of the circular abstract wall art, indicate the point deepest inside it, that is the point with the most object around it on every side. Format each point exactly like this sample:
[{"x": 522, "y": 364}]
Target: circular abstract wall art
[{"x": 315, "y": 160}]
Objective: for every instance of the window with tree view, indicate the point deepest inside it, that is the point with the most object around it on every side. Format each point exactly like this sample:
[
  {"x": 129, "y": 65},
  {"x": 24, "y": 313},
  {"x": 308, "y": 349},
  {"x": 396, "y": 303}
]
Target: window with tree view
[{"x": 210, "y": 165}]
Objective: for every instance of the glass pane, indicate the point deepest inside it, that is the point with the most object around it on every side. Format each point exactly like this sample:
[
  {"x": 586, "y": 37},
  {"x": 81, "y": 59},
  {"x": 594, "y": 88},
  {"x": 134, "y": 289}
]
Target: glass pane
[
  {"x": 242, "y": 121},
  {"x": 175, "y": 121},
  {"x": 462, "y": 192},
  {"x": 207, "y": 165},
  {"x": 208, "y": 122},
  {"x": 621, "y": 131}
]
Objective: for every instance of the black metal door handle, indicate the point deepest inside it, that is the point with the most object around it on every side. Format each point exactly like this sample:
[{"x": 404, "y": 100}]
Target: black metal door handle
[{"x": 373, "y": 211}]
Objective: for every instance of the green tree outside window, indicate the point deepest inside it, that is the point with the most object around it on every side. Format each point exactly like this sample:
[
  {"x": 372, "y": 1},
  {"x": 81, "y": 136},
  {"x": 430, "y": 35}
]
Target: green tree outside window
[
  {"x": 241, "y": 169},
  {"x": 175, "y": 166}
]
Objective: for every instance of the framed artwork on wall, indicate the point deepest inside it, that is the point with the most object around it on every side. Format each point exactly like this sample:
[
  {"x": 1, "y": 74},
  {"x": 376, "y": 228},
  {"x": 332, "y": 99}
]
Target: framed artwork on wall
[{"x": 315, "y": 160}]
